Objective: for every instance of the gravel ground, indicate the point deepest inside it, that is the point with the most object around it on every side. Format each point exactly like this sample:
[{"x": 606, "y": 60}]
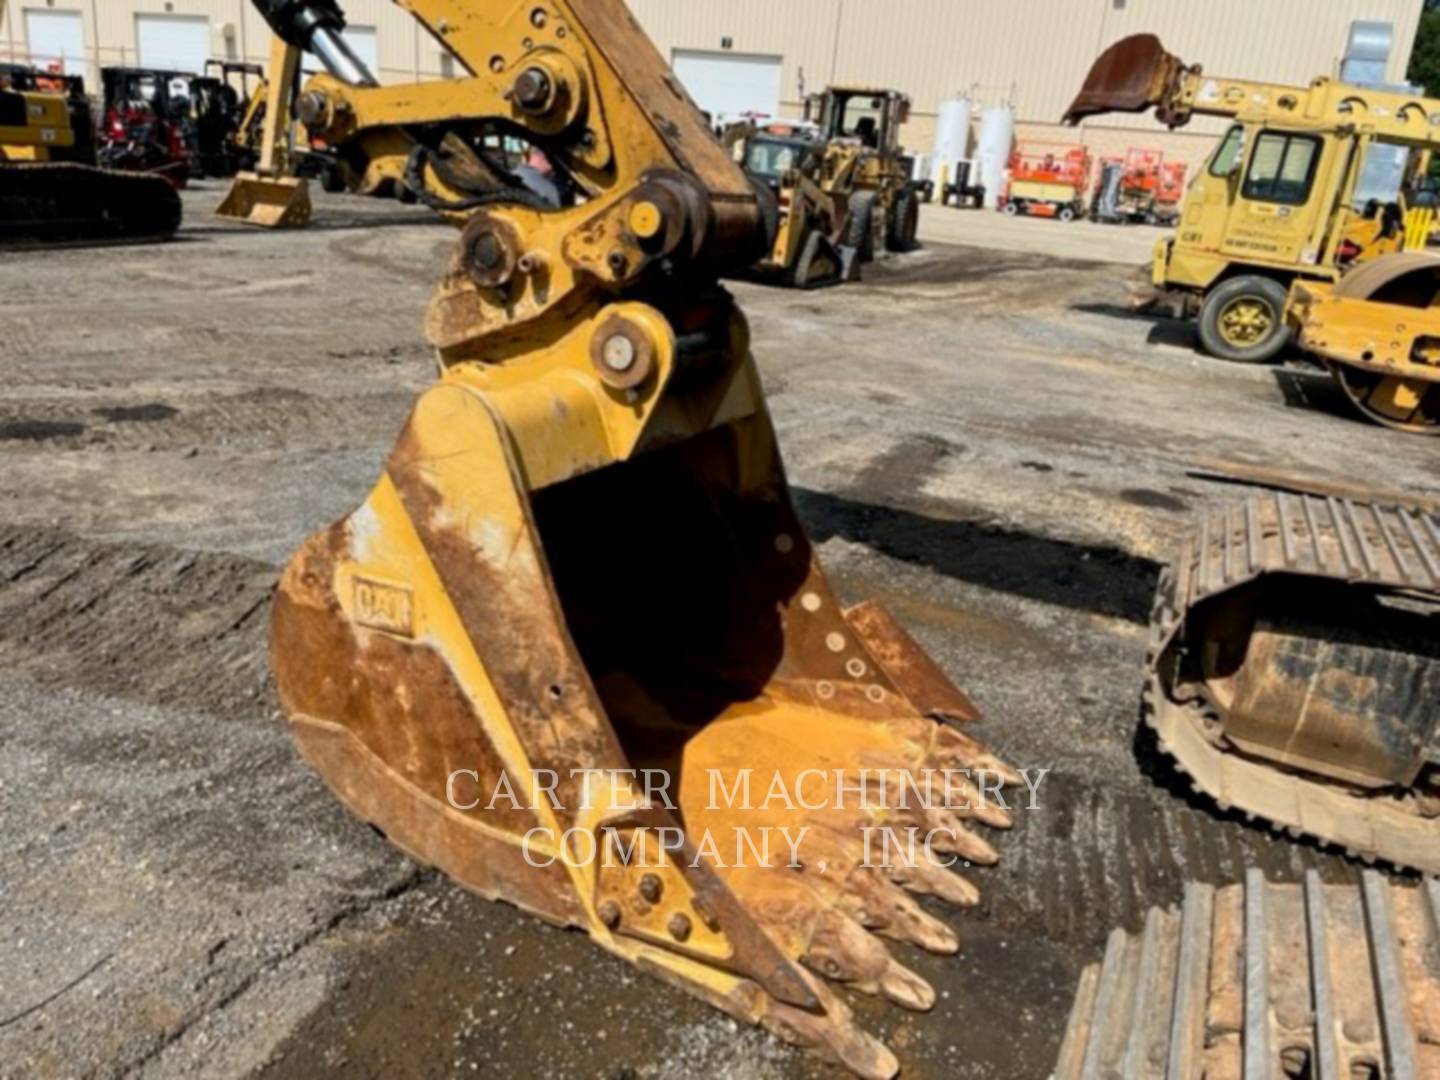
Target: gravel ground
[{"x": 983, "y": 437}]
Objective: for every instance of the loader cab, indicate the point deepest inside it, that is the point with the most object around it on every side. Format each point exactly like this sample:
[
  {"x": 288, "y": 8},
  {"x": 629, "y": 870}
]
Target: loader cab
[
  {"x": 1308, "y": 201},
  {"x": 773, "y": 159},
  {"x": 872, "y": 118}
]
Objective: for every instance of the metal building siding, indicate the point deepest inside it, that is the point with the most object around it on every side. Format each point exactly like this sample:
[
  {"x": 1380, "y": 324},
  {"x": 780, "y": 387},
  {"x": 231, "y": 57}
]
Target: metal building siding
[
  {"x": 934, "y": 48},
  {"x": 800, "y": 31}
]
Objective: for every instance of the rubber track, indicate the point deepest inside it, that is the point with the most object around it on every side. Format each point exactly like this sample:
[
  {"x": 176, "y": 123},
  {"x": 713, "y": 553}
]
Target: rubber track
[
  {"x": 44, "y": 203},
  {"x": 1386, "y": 548},
  {"x": 1262, "y": 981}
]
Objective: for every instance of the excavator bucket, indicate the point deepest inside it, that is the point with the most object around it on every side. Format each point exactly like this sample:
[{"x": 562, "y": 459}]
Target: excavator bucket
[
  {"x": 1132, "y": 75},
  {"x": 823, "y": 262},
  {"x": 271, "y": 202},
  {"x": 575, "y": 649},
  {"x": 621, "y": 695}
]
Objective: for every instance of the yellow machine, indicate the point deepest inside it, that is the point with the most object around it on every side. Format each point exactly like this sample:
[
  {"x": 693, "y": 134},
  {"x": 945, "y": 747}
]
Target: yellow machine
[
  {"x": 810, "y": 183},
  {"x": 862, "y": 126},
  {"x": 51, "y": 190},
  {"x": 1282, "y": 202},
  {"x": 423, "y": 140},
  {"x": 582, "y": 563},
  {"x": 1294, "y": 666},
  {"x": 271, "y": 196},
  {"x": 1378, "y": 330}
]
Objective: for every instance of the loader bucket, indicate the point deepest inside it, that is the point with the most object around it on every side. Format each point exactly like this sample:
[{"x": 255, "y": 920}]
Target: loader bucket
[
  {"x": 576, "y": 651},
  {"x": 1130, "y": 76},
  {"x": 271, "y": 202}
]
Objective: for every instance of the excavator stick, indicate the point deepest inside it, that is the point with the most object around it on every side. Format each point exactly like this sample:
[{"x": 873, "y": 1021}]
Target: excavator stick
[
  {"x": 1133, "y": 75},
  {"x": 1295, "y": 669},
  {"x": 575, "y": 648},
  {"x": 270, "y": 197}
]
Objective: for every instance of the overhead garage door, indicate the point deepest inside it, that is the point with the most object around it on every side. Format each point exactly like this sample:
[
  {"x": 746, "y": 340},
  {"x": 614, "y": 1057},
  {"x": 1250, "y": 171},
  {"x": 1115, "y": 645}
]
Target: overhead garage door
[
  {"x": 56, "y": 39},
  {"x": 173, "y": 42},
  {"x": 728, "y": 85},
  {"x": 363, "y": 43}
]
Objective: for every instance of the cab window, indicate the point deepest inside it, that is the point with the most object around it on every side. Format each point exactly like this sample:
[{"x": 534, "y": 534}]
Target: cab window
[
  {"x": 1282, "y": 168},
  {"x": 1223, "y": 163}
]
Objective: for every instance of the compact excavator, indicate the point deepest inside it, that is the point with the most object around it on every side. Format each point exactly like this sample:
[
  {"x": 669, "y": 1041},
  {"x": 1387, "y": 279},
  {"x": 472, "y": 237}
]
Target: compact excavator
[
  {"x": 51, "y": 189},
  {"x": 582, "y": 562},
  {"x": 1294, "y": 669},
  {"x": 421, "y": 141},
  {"x": 1277, "y": 226}
]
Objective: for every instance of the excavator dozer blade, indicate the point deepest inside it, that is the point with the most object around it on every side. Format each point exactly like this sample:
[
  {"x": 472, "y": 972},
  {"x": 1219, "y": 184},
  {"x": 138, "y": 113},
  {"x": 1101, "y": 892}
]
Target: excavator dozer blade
[
  {"x": 1267, "y": 980},
  {"x": 1132, "y": 75},
  {"x": 619, "y": 693},
  {"x": 270, "y": 202}
]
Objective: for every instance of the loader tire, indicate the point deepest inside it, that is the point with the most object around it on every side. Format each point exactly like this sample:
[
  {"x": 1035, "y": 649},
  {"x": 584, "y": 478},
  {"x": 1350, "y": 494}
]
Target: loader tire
[
  {"x": 332, "y": 180},
  {"x": 861, "y": 233},
  {"x": 1243, "y": 320},
  {"x": 904, "y": 222}
]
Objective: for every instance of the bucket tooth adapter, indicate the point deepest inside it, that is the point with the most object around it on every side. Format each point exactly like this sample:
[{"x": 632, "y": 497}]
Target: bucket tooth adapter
[
  {"x": 582, "y": 563},
  {"x": 1295, "y": 671}
]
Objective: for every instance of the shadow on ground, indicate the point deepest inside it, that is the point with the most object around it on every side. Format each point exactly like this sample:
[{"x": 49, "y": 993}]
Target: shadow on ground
[
  {"x": 1165, "y": 329},
  {"x": 1100, "y": 579}
]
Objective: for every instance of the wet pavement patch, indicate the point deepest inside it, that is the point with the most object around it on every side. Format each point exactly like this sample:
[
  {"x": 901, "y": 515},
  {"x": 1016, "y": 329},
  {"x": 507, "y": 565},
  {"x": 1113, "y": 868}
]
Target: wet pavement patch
[
  {"x": 38, "y": 430},
  {"x": 150, "y": 413},
  {"x": 1157, "y": 500}
]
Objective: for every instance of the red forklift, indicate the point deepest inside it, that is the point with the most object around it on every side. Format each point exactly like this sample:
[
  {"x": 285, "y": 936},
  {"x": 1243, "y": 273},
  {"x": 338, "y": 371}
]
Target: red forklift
[{"x": 148, "y": 123}]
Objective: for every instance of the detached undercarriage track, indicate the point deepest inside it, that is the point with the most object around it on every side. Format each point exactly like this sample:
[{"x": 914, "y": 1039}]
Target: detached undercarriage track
[
  {"x": 1341, "y": 738},
  {"x": 1264, "y": 981},
  {"x": 58, "y": 203}
]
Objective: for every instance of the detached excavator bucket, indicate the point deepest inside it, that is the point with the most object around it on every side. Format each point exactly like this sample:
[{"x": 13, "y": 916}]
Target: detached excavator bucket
[
  {"x": 1132, "y": 75},
  {"x": 576, "y": 651},
  {"x": 271, "y": 202}
]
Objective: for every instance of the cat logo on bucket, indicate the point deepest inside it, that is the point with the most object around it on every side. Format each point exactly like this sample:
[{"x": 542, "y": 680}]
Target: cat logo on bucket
[{"x": 382, "y": 606}]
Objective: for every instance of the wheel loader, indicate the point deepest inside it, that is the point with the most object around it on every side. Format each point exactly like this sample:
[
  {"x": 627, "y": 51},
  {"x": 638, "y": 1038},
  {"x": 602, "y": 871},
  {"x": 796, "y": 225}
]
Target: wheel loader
[
  {"x": 810, "y": 186},
  {"x": 862, "y": 126},
  {"x": 51, "y": 188},
  {"x": 1295, "y": 195},
  {"x": 575, "y": 649}
]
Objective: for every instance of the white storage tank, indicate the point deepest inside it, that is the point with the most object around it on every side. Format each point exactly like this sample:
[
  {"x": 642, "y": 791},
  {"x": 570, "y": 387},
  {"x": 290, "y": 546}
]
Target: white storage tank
[
  {"x": 997, "y": 137},
  {"x": 952, "y": 137}
]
